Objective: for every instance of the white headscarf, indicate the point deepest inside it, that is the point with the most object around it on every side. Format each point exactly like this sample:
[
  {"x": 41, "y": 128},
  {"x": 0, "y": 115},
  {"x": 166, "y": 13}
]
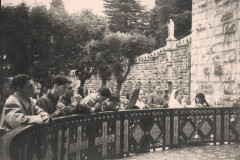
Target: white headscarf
[{"x": 173, "y": 102}]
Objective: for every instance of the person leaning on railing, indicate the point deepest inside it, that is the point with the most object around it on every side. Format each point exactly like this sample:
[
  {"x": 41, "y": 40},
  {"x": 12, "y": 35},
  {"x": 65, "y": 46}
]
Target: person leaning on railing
[
  {"x": 199, "y": 101},
  {"x": 93, "y": 102},
  {"x": 136, "y": 101},
  {"x": 111, "y": 104},
  {"x": 19, "y": 108},
  {"x": 176, "y": 99},
  {"x": 49, "y": 101},
  {"x": 68, "y": 103},
  {"x": 155, "y": 100}
]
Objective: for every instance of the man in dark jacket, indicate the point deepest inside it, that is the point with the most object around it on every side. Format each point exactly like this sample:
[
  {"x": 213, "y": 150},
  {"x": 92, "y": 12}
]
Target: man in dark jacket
[
  {"x": 155, "y": 100},
  {"x": 49, "y": 101}
]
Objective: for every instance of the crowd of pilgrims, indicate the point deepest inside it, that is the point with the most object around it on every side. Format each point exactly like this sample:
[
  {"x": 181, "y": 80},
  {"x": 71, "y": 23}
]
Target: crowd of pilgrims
[{"x": 21, "y": 108}]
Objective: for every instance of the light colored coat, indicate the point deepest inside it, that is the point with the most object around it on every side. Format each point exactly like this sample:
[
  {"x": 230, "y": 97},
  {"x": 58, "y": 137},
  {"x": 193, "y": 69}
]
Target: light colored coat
[{"x": 18, "y": 111}]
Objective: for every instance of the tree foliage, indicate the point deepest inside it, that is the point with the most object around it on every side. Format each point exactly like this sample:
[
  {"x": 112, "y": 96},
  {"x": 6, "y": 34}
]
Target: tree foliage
[
  {"x": 15, "y": 26},
  {"x": 126, "y": 15},
  {"x": 43, "y": 58},
  {"x": 85, "y": 28},
  {"x": 45, "y": 42},
  {"x": 119, "y": 52}
]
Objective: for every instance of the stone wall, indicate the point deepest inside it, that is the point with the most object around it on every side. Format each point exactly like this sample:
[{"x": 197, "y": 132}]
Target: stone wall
[
  {"x": 164, "y": 66},
  {"x": 215, "y": 50}
]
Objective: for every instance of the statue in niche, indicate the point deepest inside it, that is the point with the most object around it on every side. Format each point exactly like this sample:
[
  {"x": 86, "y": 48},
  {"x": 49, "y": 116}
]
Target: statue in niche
[{"x": 171, "y": 30}]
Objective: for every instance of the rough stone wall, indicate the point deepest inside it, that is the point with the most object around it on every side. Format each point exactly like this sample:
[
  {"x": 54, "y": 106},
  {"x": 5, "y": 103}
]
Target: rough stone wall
[
  {"x": 215, "y": 50},
  {"x": 168, "y": 64}
]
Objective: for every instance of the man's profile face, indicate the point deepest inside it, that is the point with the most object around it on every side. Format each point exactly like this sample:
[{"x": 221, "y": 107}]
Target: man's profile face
[
  {"x": 158, "y": 90},
  {"x": 28, "y": 89},
  {"x": 61, "y": 89},
  {"x": 69, "y": 90}
]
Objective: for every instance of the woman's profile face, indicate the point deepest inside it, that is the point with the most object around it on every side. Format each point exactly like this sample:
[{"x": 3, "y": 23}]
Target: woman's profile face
[
  {"x": 179, "y": 97},
  {"x": 199, "y": 100}
]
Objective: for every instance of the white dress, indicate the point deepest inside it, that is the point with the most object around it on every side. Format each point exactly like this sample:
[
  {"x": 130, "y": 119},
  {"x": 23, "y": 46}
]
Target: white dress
[
  {"x": 140, "y": 104},
  {"x": 173, "y": 103}
]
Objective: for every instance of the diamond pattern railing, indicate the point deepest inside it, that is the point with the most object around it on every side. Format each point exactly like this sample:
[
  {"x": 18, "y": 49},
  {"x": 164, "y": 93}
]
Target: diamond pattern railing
[{"x": 117, "y": 134}]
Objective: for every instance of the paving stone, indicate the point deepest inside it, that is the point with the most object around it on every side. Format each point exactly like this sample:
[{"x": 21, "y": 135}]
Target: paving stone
[{"x": 208, "y": 152}]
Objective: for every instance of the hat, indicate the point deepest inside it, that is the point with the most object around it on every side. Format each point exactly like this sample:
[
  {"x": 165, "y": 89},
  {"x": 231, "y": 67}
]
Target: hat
[{"x": 105, "y": 92}]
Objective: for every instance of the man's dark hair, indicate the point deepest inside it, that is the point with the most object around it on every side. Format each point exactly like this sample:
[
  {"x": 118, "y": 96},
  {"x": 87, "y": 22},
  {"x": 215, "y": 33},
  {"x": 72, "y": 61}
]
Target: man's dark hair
[
  {"x": 59, "y": 80},
  {"x": 19, "y": 81},
  {"x": 114, "y": 98},
  {"x": 105, "y": 92}
]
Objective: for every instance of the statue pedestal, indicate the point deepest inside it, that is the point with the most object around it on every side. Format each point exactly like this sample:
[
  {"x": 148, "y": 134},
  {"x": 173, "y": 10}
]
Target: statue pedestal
[{"x": 171, "y": 42}]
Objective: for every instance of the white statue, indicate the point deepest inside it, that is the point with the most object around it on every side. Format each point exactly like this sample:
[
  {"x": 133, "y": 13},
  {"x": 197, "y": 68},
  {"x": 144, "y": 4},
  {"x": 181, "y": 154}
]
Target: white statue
[{"x": 171, "y": 29}]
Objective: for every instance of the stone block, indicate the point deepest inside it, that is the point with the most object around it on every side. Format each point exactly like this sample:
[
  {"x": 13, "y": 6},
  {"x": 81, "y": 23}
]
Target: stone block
[
  {"x": 219, "y": 11},
  {"x": 218, "y": 39},
  {"x": 235, "y": 5},
  {"x": 222, "y": 3},
  {"x": 203, "y": 4},
  {"x": 211, "y": 22},
  {"x": 210, "y": 14},
  {"x": 218, "y": 30},
  {"x": 228, "y": 46},
  {"x": 227, "y": 17},
  {"x": 200, "y": 26},
  {"x": 225, "y": 2},
  {"x": 228, "y": 8},
  {"x": 211, "y": 5},
  {"x": 230, "y": 28}
]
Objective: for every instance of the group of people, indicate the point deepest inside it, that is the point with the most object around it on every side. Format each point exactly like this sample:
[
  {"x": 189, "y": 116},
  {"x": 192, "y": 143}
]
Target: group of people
[
  {"x": 159, "y": 99},
  {"x": 20, "y": 108}
]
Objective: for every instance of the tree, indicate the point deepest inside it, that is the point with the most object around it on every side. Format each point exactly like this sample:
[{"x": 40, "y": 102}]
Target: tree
[
  {"x": 103, "y": 62},
  {"x": 15, "y": 26},
  {"x": 124, "y": 15},
  {"x": 85, "y": 28},
  {"x": 42, "y": 60},
  {"x": 122, "y": 49},
  {"x": 179, "y": 11}
]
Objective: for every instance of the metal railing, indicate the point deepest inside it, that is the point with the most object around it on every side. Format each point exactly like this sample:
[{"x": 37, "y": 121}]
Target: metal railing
[{"x": 116, "y": 134}]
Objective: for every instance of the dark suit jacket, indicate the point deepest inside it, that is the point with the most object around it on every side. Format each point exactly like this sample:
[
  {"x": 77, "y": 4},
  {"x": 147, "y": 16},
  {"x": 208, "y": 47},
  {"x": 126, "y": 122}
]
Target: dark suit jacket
[{"x": 154, "y": 99}]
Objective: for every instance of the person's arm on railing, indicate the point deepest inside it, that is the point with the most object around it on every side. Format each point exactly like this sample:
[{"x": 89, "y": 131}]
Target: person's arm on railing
[
  {"x": 44, "y": 115},
  {"x": 14, "y": 116}
]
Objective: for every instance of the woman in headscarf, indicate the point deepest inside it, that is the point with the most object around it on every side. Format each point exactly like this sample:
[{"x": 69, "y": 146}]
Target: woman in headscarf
[
  {"x": 200, "y": 101},
  {"x": 136, "y": 100},
  {"x": 175, "y": 100}
]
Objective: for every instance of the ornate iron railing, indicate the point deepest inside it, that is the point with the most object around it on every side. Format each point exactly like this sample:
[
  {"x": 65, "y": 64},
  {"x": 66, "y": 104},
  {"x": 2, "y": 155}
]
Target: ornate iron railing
[{"x": 116, "y": 134}]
